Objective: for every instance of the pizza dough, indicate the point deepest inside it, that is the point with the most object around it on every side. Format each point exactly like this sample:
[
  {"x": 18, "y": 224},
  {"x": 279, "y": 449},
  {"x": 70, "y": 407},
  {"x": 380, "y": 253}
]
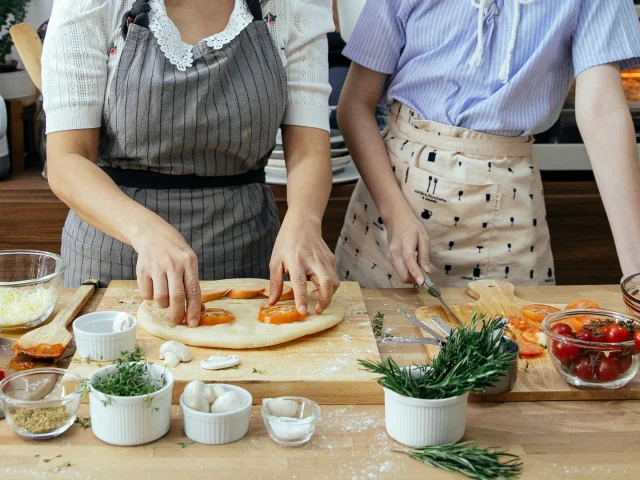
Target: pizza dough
[{"x": 245, "y": 331}]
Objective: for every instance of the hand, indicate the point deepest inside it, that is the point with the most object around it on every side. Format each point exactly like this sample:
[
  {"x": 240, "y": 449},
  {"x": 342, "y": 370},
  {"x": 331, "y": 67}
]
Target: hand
[
  {"x": 301, "y": 252},
  {"x": 406, "y": 236},
  {"x": 167, "y": 272}
]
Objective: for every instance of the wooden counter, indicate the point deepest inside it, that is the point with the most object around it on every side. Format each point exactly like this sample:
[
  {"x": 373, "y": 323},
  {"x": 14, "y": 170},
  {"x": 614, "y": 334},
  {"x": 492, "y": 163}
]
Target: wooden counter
[{"x": 559, "y": 440}]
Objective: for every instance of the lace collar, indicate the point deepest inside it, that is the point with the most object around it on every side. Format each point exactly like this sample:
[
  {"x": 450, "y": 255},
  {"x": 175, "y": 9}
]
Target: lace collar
[{"x": 180, "y": 53}]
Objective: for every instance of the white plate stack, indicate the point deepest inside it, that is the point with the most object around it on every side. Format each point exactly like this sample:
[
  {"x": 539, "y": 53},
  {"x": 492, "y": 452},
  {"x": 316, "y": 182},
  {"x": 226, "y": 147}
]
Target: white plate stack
[{"x": 344, "y": 170}]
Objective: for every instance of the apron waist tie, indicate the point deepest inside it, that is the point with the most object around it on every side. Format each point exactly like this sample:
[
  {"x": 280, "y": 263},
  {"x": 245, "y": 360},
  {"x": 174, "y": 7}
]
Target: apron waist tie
[{"x": 161, "y": 181}]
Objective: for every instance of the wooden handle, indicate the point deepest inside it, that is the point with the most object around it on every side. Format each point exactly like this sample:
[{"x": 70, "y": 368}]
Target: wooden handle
[
  {"x": 76, "y": 302},
  {"x": 29, "y": 47}
]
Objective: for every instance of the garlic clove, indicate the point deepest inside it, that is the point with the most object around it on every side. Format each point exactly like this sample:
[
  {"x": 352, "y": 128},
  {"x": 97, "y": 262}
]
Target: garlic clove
[
  {"x": 121, "y": 322},
  {"x": 280, "y": 407},
  {"x": 217, "y": 362},
  {"x": 171, "y": 359}
]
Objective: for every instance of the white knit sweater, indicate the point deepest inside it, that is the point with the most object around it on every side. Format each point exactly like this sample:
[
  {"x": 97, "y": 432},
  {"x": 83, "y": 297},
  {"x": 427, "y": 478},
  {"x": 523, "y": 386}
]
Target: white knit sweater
[{"x": 83, "y": 45}]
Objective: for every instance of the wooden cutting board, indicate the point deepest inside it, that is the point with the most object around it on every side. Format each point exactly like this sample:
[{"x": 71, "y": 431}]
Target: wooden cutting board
[
  {"x": 538, "y": 379},
  {"x": 322, "y": 367}
]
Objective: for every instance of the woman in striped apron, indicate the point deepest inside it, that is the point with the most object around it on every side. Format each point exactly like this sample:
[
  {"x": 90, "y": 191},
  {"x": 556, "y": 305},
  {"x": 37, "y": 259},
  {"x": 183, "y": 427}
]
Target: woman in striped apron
[
  {"x": 452, "y": 186},
  {"x": 178, "y": 192}
]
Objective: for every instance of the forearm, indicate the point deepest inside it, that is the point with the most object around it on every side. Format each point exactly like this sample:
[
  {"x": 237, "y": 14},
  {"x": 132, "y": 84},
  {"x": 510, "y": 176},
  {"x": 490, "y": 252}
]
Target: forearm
[
  {"x": 366, "y": 145},
  {"x": 309, "y": 176},
  {"x": 92, "y": 195},
  {"x": 609, "y": 136}
]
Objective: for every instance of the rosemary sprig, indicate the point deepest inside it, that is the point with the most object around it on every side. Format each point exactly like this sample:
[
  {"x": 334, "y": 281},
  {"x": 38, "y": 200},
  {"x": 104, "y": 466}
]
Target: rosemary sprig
[
  {"x": 378, "y": 327},
  {"x": 130, "y": 378},
  {"x": 470, "y": 361},
  {"x": 467, "y": 459}
]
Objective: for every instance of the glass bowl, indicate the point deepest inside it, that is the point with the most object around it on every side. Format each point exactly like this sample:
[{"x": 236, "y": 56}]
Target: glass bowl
[
  {"x": 294, "y": 429},
  {"x": 587, "y": 363},
  {"x": 41, "y": 403},
  {"x": 631, "y": 294},
  {"x": 30, "y": 284}
]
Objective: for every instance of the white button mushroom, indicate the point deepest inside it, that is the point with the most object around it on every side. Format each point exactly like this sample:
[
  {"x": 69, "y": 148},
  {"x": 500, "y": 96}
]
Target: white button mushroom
[
  {"x": 173, "y": 353},
  {"x": 229, "y": 402},
  {"x": 121, "y": 322},
  {"x": 194, "y": 396},
  {"x": 210, "y": 394}
]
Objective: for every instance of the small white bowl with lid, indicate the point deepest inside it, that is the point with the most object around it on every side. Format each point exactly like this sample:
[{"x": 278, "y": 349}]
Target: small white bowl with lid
[
  {"x": 96, "y": 339},
  {"x": 218, "y": 428}
]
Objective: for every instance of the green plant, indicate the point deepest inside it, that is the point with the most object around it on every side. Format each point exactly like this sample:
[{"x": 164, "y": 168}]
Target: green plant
[
  {"x": 11, "y": 13},
  {"x": 470, "y": 361}
]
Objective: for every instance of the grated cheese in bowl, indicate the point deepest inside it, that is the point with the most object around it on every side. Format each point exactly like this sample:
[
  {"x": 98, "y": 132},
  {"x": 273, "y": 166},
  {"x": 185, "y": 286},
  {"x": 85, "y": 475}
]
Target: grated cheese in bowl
[{"x": 23, "y": 305}]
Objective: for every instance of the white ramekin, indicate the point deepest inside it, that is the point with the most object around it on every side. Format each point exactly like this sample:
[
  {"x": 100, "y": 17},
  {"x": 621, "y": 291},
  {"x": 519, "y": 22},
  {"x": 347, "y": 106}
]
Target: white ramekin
[
  {"x": 128, "y": 421},
  {"x": 218, "y": 428},
  {"x": 420, "y": 423},
  {"x": 95, "y": 340}
]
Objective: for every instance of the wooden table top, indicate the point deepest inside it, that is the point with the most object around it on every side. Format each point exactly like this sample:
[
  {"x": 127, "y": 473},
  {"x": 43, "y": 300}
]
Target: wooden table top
[{"x": 572, "y": 440}]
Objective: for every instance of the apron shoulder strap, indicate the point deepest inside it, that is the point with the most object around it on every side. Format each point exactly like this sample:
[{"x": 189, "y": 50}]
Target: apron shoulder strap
[{"x": 255, "y": 8}]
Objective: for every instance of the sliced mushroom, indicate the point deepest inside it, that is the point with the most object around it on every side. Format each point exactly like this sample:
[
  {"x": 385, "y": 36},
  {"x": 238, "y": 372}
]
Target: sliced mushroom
[
  {"x": 121, "y": 322},
  {"x": 173, "y": 353},
  {"x": 217, "y": 362}
]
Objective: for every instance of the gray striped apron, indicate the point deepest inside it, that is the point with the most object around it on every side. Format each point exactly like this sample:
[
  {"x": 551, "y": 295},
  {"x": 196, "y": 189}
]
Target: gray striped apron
[{"x": 192, "y": 147}]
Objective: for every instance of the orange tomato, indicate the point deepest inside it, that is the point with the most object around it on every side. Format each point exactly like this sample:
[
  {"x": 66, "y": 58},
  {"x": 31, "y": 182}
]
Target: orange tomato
[
  {"x": 244, "y": 293},
  {"x": 538, "y": 312},
  {"x": 216, "y": 316},
  {"x": 530, "y": 350},
  {"x": 287, "y": 293},
  {"x": 582, "y": 303},
  {"x": 534, "y": 335},
  {"x": 280, "y": 314},
  {"x": 579, "y": 321},
  {"x": 517, "y": 322},
  {"x": 213, "y": 294}
]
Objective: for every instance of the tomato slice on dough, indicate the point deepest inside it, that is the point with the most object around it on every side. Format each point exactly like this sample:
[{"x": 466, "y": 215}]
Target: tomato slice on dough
[
  {"x": 213, "y": 294},
  {"x": 538, "y": 312},
  {"x": 244, "y": 293},
  {"x": 287, "y": 293},
  {"x": 582, "y": 303},
  {"x": 216, "y": 316},
  {"x": 528, "y": 349},
  {"x": 280, "y": 314}
]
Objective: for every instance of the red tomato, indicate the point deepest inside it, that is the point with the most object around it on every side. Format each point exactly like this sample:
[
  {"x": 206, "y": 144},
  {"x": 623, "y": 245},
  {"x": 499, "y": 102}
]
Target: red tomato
[
  {"x": 280, "y": 314},
  {"x": 529, "y": 350},
  {"x": 564, "y": 352},
  {"x": 538, "y": 312},
  {"x": 599, "y": 335},
  {"x": 1, "y": 375},
  {"x": 584, "y": 335},
  {"x": 617, "y": 333},
  {"x": 636, "y": 339},
  {"x": 562, "y": 328},
  {"x": 624, "y": 360},
  {"x": 583, "y": 368},
  {"x": 607, "y": 369},
  {"x": 582, "y": 303}
]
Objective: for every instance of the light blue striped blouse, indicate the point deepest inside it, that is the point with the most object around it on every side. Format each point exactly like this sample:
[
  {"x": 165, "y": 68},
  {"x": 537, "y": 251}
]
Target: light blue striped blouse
[{"x": 431, "y": 49}]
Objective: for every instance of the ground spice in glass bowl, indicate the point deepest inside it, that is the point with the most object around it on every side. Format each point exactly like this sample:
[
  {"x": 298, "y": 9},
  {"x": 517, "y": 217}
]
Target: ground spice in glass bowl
[{"x": 41, "y": 403}]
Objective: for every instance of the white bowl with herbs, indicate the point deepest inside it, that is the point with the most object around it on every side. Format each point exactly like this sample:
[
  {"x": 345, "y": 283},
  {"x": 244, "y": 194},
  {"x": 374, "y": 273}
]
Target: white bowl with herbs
[
  {"x": 425, "y": 405},
  {"x": 130, "y": 401}
]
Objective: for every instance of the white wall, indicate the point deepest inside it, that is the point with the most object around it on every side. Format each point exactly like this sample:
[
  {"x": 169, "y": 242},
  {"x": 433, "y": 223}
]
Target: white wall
[{"x": 38, "y": 12}]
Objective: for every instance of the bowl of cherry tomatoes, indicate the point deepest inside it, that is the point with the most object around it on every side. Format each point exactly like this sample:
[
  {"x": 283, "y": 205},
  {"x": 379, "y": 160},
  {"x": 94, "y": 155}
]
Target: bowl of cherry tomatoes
[{"x": 593, "y": 348}]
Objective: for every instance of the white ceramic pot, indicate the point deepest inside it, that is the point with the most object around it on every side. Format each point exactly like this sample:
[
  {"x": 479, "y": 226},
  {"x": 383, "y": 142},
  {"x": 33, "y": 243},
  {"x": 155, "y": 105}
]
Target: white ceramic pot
[
  {"x": 128, "y": 421},
  {"x": 95, "y": 337},
  {"x": 218, "y": 428},
  {"x": 17, "y": 86},
  {"x": 419, "y": 423}
]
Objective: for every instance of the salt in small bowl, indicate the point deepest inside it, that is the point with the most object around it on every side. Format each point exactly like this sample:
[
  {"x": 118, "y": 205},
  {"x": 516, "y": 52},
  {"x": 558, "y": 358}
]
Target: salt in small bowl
[{"x": 295, "y": 430}]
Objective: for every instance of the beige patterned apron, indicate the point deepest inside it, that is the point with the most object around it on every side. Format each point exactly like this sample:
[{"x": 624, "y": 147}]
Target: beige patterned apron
[{"x": 479, "y": 197}]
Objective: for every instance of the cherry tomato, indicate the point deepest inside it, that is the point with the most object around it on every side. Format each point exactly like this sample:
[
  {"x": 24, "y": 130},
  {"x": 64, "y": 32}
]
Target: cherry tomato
[
  {"x": 216, "y": 316},
  {"x": 599, "y": 335},
  {"x": 582, "y": 303},
  {"x": 624, "y": 360},
  {"x": 562, "y": 328},
  {"x": 279, "y": 314},
  {"x": 583, "y": 368},
  {"x": 564, "y": 352},
  {"x": 2, "y": 375},
  {"x": 617, "y": 333},
  {"x": 607, "y": 369},
  {"x": 636, "y": 339},
  {"x": 538, "y": 312},
  {"x": 584, "y": 335}
]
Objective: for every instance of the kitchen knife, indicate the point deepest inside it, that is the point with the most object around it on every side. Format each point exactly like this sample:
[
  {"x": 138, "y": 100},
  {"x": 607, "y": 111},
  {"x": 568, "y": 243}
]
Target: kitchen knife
[
  {"x": 442, "y": 325},
  {"x": 420, "y": 340},
  {"x": 434, "y": 291}
]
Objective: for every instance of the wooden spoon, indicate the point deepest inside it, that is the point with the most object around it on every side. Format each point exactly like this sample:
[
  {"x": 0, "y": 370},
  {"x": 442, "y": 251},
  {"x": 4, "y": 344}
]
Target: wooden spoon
[
  {"x": 29, "y": 47},
  {"x": 51, "y": 340}
]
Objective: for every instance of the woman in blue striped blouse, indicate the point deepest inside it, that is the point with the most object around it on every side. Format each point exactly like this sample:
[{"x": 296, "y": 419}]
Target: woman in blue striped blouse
[{"x": 453, "y": 186}]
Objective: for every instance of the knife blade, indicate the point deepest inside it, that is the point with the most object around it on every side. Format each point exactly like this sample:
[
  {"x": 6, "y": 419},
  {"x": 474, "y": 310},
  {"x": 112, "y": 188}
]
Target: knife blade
[
  {"x": 434, "y": 291},
  {"x": 420, "y": 340},
  {"x": 422, "y": 326},
  {"x": 442, "y": 325}
]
